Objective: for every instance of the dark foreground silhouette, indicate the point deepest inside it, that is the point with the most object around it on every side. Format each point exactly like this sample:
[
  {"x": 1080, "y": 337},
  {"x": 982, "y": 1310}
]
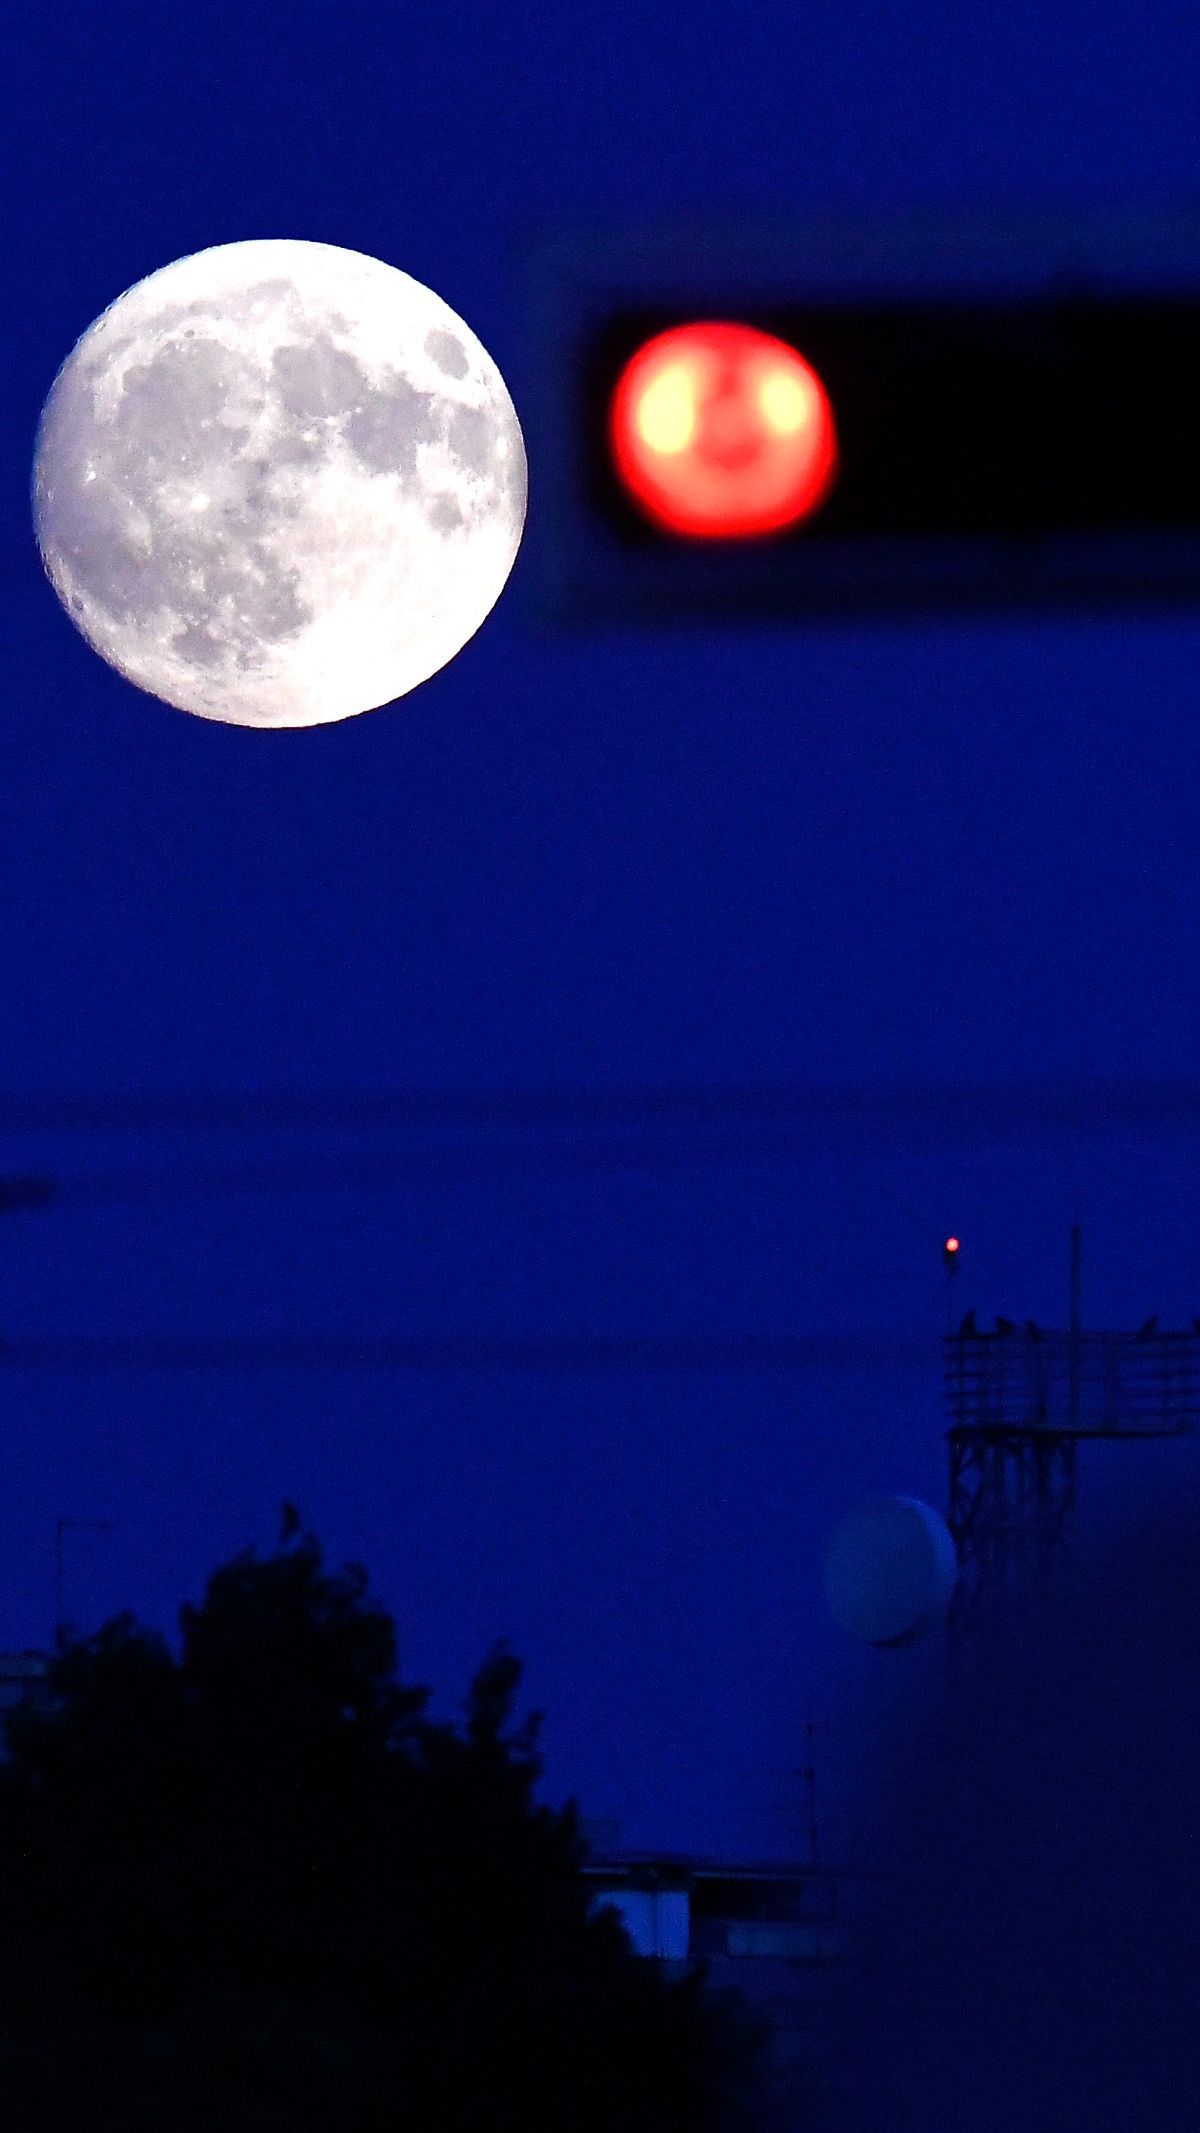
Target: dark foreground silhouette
[{"x": 255, "y": 1887}]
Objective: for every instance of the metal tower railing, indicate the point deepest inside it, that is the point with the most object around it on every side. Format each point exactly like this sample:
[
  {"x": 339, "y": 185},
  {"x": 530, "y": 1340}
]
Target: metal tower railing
[
  {"x": 1018, "y": 1403},
  {"x": 1088, "y": 1384}
]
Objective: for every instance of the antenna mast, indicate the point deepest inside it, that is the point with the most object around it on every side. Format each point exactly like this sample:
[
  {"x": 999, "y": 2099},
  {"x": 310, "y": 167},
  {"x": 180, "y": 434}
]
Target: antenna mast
[
  {"x": 810, "y": 1791},
  {"x": 1073, "y": 1390}
]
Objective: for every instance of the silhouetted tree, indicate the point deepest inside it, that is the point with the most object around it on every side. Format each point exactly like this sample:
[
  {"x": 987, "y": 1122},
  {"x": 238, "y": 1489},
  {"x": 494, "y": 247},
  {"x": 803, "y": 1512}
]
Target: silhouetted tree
[{"x": 257, "y": 1887}]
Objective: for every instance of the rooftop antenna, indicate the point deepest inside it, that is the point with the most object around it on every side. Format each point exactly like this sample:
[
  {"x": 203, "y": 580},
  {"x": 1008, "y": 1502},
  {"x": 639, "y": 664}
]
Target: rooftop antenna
[
  {"x": 89, "y": 1525},
  {"x": 810, "y": 1794},
  {"x": 808, "y": 1776},
  {"x": 1073, "y": 1351}
]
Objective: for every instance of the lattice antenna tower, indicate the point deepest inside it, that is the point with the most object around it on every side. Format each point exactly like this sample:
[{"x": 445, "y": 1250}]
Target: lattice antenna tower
[{"x": 1019, "y": 1402}]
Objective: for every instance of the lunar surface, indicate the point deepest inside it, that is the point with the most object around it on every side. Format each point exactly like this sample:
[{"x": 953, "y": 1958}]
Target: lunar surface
[{"x": 277, "y": 483}]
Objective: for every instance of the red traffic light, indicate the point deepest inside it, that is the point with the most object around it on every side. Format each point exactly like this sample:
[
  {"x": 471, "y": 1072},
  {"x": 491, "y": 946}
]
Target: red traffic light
[{"x": 723, "y": 432}]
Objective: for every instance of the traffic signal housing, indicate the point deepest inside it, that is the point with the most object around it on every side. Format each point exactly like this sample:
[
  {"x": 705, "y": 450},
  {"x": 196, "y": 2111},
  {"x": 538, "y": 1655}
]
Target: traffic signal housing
[
  {"x": 995, "y": 412},
  {"x": 718, "y": 431}
]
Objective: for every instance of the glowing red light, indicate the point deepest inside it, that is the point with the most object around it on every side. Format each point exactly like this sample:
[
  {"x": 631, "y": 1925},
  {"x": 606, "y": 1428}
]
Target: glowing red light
[
  {"x": 951, "y": 1245},
  {"x": 722, "y": 432}
]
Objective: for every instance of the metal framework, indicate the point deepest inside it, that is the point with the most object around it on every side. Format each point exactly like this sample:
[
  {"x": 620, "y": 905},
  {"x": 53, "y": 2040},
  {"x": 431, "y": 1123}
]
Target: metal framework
[{"x": 1018, "y": 1404}]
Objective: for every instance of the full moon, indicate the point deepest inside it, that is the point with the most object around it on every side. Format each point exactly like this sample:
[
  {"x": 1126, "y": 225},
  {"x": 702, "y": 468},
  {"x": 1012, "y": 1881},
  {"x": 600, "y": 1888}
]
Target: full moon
[{"x": 278, "y": 483}]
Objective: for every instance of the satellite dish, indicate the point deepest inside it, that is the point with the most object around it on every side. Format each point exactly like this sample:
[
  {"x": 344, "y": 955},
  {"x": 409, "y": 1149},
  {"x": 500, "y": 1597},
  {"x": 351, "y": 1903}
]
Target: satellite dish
[{"x": 890, "y": 1571}]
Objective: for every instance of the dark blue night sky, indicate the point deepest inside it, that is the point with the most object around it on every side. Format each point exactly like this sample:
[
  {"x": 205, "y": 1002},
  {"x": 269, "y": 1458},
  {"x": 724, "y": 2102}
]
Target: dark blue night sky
[{"x": 678, "y": 858}]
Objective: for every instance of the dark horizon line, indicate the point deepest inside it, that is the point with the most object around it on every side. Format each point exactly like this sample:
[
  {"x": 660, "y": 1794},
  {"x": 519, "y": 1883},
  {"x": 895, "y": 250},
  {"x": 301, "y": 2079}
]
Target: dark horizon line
[
  {"x": 474, "y": 1352},
  {"x": 1016, "y": 1106}
]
